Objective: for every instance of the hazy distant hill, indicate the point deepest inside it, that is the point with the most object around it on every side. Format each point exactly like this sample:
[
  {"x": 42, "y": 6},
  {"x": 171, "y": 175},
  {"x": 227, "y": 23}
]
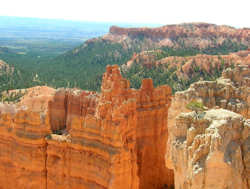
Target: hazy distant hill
[
  {"x": 42, "y": 39},
  {"x": 16, "y": 27},
  {"x": 31, "y": 45}
]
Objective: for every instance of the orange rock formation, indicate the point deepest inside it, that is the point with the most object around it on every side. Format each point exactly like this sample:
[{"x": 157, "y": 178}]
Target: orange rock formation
[{"x": 113, "y": 140}]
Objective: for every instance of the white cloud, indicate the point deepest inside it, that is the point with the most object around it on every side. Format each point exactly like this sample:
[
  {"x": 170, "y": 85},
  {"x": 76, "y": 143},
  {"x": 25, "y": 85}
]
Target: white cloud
[{"x": 233, "y": 13}]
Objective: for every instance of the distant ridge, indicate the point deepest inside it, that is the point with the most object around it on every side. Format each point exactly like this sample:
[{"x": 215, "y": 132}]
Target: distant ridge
[
  {"x": 84, "y": 65},
  {"x": 88, "y": 61},
  {"x": 202, "y": 35}
]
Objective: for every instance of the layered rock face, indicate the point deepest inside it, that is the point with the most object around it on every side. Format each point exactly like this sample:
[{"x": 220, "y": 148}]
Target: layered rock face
[
  {"x": 23, "y": 128},
  {"x": 113, "y": 140},
  {"x": 23, "y": 148},
  {"x": 211, "y": 151}
]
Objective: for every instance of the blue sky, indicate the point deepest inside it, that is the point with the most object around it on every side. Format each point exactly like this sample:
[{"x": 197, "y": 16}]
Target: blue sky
[{"x": 228, "y": 12}]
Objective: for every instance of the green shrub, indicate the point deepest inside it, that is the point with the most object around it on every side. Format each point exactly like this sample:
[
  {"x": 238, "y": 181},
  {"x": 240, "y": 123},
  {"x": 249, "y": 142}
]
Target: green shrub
[{"x": 195, "y": 106}]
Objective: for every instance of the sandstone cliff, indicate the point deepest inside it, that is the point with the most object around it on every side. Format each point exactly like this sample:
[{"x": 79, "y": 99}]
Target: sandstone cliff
[
  {"x": 211, "y": 151},
  {"x": 76, "y": 139}
]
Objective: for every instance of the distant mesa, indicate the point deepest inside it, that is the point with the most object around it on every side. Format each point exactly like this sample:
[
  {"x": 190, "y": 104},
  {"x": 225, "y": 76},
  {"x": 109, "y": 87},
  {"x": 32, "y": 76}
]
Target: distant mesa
[{"x": 194, "y": 34}]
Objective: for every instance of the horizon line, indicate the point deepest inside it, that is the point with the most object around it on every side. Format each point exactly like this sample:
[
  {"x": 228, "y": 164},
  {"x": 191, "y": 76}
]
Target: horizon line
[{"x": 120, "y": 22}]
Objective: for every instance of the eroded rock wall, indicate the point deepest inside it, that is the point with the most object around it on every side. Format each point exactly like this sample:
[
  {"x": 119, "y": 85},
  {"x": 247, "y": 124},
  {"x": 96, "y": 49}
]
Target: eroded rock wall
[
  {"x": 22, "y": 149},
  {"x": 111, "y": 140}
]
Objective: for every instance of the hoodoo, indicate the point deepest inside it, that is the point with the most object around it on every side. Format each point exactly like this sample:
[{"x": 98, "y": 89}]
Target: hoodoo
[{"x": 78, "y": 139}]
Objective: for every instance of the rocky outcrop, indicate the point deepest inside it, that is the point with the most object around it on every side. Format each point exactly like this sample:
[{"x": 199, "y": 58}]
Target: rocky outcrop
[
  {"x": 215, "y": 144},
  {"x": 80, "y": 140},
  {"x": 211, "y": 150},
  {"x": 231, "y": 92},
  {"x": 198, "y": 35}
]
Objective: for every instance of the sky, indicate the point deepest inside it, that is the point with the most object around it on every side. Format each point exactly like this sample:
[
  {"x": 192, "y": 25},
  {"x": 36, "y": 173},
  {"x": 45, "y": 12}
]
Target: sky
[{"x": 222, "y": 12}]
